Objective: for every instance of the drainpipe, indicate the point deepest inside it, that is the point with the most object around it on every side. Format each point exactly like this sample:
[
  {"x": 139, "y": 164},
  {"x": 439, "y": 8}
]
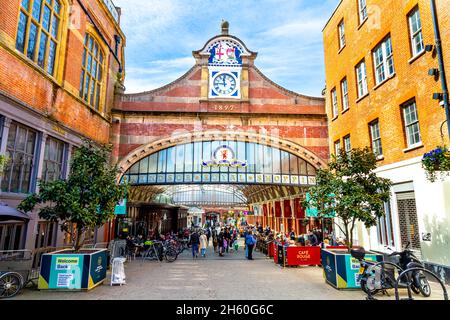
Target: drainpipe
[{"x": 441, "y": 64}]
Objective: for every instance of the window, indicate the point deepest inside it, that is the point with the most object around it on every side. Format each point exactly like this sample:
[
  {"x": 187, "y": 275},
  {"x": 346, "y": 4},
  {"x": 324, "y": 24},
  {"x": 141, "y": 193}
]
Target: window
[
  {"x": 11, "y": 236},
  {"x": 415, "y": 29},
  {"x": 20, "y": 148},
  {"x": 362, "y": 10},
  {"x": 38, "y": 32},
  {"x": 53, "y": 166},
  {"x": 341, "y": 31},
  {"x": 376, "y": 137},
  {"x": 411, "y": 122},
  {"x": 92, "y": 73},
  {"x": 46, "y": 234},
  {"x": 383, "y": 60},
  {"x": 344, "y": 90},
  {"x": 334, "y": 102},
  {"x": 337, "y": 147},
  {"x": 361, "y": 77},
  {"x": 347, "y": 145},
  {"x": 385, "y": 228}
]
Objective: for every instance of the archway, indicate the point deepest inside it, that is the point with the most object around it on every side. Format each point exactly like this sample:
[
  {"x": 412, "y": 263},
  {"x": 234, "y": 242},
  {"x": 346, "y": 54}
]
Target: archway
[{"x": 254, "y": 169}]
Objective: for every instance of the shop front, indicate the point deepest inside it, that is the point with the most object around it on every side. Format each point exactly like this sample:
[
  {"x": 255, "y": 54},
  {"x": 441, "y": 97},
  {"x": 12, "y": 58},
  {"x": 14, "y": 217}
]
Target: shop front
[{"x": 142, "y": 218}]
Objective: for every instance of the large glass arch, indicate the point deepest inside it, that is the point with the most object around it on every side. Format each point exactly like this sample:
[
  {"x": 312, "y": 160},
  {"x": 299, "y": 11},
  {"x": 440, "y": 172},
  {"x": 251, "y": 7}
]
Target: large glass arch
[{"x": 221, "y": 162}]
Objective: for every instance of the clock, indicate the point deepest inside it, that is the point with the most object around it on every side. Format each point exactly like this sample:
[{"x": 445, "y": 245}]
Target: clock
[{"x": 224, "y": 84}]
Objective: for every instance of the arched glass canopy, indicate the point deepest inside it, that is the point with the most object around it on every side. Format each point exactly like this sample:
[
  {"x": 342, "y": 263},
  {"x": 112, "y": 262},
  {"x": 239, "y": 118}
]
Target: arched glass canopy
[
  {"x": 207, "y": 195},
  {"x": 221, "y": 162}
]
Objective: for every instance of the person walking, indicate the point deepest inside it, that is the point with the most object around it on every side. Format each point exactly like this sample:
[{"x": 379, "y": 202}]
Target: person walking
[
  {"x": 203, "y": 244},
  {"x": 208, "y": 234},
  {"x": 312, "y": 239},
  {"x": 227, "y": 237},
  {"x": 220, "y": 242},
  {"x": 250, "y": 242},
  {"x": 195, "y": 241}
]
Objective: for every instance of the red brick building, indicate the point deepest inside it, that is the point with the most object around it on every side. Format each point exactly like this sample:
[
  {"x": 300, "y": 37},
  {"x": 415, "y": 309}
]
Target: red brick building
[
  {"x": 60, "y": 63},
  {"x": 223, "y": 103}
]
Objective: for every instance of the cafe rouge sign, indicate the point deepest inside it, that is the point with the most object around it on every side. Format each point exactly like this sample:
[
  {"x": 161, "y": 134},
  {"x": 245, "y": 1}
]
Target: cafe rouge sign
[{"x": 224, "y": 156}]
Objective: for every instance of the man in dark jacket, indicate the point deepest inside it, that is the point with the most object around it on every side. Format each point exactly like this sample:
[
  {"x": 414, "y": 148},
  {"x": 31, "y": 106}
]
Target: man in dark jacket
[
  {"x": 220, "y": 238},
  {"x": 195, "y": 241},
  {"x": 312, "y": 239},
  {"x": 227, "y": 237}
]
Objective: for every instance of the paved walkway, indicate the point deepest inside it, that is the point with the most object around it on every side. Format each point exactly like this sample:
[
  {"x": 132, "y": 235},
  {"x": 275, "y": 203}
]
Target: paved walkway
[{"x": 214, "y": 277}]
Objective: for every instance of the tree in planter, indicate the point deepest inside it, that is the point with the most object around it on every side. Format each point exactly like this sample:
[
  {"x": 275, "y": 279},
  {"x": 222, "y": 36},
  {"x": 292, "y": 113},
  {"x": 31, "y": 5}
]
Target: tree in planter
[
  {"x": 87, "y": 198},
  {"x": 351, "y": 190}
]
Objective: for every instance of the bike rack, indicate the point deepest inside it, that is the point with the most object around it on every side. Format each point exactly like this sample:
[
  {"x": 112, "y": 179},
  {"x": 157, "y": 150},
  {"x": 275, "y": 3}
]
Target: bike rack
[
  {"x": 382, "y": 264},
  {"x": 409, "y": 287}
]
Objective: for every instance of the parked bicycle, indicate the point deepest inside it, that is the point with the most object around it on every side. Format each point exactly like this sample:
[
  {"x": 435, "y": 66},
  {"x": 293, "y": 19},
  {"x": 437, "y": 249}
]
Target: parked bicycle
[{"x": 159, "y": 250}]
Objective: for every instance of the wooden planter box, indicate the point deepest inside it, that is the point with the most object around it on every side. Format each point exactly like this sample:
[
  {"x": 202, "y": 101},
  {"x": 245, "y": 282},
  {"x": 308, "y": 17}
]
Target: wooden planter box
[
  {"x": 341, "y": 270},
  {"x": 66, "y": 270}
]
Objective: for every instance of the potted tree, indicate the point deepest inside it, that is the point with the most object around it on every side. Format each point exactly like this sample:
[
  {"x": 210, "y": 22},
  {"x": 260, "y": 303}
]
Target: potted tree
[
  {"x": 350, "y": 190},
  {"x": 85, "y": 200}
]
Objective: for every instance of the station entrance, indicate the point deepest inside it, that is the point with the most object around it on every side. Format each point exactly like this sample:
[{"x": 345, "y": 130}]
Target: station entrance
[{"x": 221, "y": 142}]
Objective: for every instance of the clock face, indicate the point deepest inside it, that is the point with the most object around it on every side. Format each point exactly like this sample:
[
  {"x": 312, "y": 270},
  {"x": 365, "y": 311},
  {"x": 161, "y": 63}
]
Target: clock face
[{"x": 224, "y": 84}]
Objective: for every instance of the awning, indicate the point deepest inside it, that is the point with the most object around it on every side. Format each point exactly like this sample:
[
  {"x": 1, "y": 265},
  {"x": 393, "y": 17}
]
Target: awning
[{"x": 8, "y": 213}]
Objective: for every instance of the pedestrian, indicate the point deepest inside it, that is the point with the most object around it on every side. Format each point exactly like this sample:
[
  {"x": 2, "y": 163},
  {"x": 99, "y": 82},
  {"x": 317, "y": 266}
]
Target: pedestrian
[
  {"x": 203, "y": 244},
  {"x": 195, "y": 241},
  {"x": 208, "y": 234},
  {"x": 292, "y": 234},
  {"x": 236, "y": 245},
  {"x": 214, "y": 239},
  {"x": 312, "y": 239},
  {"x": 220, "y": 242},
  {"x": 250, "y": 242},
  {"x": 227, "y": 237}
]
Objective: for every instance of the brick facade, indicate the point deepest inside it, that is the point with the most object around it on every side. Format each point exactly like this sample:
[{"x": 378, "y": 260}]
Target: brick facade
[
  {"x": 410, "y": 81},
  {"x": 50, "y": 104}
]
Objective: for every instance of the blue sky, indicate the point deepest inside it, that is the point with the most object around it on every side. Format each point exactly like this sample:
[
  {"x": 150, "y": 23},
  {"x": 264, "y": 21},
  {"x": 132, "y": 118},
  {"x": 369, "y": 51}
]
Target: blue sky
[{"x": 287, "y": 34}]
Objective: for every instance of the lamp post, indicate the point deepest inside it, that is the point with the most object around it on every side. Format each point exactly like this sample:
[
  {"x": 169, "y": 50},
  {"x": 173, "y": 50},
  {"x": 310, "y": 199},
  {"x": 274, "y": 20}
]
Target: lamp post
[{"x": 441, "y": 63}]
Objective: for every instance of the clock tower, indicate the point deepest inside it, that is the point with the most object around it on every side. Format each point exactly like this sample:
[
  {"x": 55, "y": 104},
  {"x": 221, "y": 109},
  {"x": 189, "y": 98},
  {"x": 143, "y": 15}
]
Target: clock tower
[{"x": 225, "y": 62}]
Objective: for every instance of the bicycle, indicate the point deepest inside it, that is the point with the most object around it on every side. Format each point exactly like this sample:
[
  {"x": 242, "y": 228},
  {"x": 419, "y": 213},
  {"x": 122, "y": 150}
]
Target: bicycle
[{"x": 158, "y": 250}]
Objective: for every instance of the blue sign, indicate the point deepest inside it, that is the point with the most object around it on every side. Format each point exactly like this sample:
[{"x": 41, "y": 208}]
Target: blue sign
[
  {"x": 313, "y": 212},
  {"x": 121, "y": 207}
]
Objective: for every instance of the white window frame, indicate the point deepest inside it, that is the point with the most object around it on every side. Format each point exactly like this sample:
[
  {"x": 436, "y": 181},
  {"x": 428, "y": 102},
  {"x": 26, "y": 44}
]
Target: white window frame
[
  {"x": 361, "y": 77},
  {"x": 362, "y": 9},
  {"x": 385, "y": 228},
  {"x": 337, "y": 147},
  {"x": 334, "y": 102},
  {"x": 344, "y": 90},
  {"x": 347, "y": 144},
  {"x": 375, "y": 137},
  {"x": 341, "y": 31},
  {"x": 383, "y": 60},
  {"x": 415, "y": 15},
  {"x": 411, "y": 124}
]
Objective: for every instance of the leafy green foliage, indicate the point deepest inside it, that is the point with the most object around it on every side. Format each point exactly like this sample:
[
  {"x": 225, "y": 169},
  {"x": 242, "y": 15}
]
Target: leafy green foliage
[
  {"x": 351, "y": 189},
  {"x": 87, "y": 198}
]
